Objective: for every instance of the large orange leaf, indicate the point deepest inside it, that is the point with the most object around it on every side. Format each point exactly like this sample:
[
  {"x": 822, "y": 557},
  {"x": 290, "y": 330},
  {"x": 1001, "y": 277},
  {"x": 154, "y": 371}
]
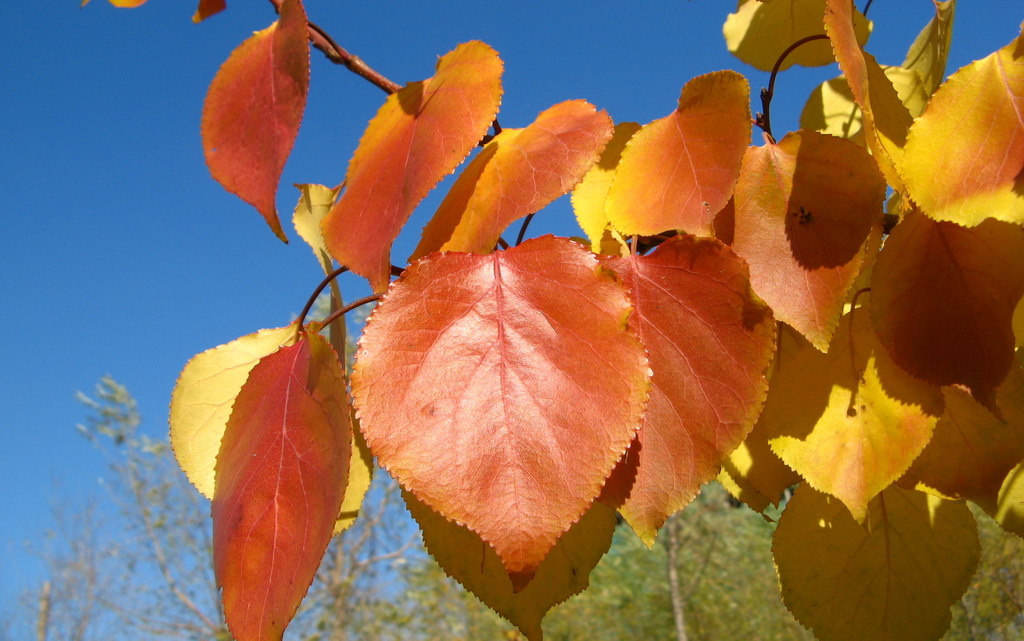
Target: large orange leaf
[
  {"x": 945, "y": 296},
  {"x": 417, "y": 138},
  {"x": 517, "y": 173},
  {"x": 679, "y": 171},
  {"x": 281, "y": 476},
  {"x": 502, "y": 388},
  {"x": 807, "y": 211},
  {"x": 849, "y": 421},
  {"x": 892, "y": 580},
  {"x": 253, "y": 110},
  {"x": 709, "y": 340},
  {"x": 760, "y": 31},
  {"x": 972, "y": 451},
  {"x": 885, "y": 118},
  {"x": 565, "y": 571},
  {"x": 965, "y": 156}
]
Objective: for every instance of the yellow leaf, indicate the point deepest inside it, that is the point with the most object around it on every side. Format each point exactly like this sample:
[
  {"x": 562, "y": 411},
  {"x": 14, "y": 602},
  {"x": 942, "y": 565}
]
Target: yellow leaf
[
  {"x": 565, "y": 571},
  {"x": 360, "y": 474},
  {"x": 202, "y": 399},
  {"x": 588, "y": 198},
  {"x": 927, "y": 56},
  {"x": 759, "y": 32},
  {"x": 849, "y": 423},
  {"x": 965, "y": 154},
  {"x": 1018, "y": 323},
  {"x": 1009, "y": 511},
  {"x": 892, "y": 581},
  {"x": 314, "y": 203}
]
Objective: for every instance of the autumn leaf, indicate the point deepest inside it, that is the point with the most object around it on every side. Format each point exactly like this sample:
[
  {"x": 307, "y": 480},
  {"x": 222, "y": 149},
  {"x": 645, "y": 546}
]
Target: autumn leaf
[
  {"x": 894, "y": 580},
  {"x": 418, "y": 137},
  {"x": 253, "y": 110},
  {"x": 709, "y": 340},
  {"x": 759, "y": 32},
  {"x": 972, "y": 451},
  {"x": 501, "y": 389},
  {"x": 849, "y": 421},
  {"x": 927, "y": 55},
  {"x": 807, "y": 210},
  {"x": 965, "y": 156},
  {"x": 209, "y": 7},
  {"x": 565, "y": 571},
  {"x": 1009, "y": 509},
  {"x": 679, "y": 171},
  {"x": 885, "y": 118},
  {"x": 591, "y": 194},
  {"x": 518, "y": 173},
  {"x": 315, "y": 201},
  {"x": 281, "y": 474},
  {"x": 124, "y": 4},
  {"x": 944, "y": 297}
]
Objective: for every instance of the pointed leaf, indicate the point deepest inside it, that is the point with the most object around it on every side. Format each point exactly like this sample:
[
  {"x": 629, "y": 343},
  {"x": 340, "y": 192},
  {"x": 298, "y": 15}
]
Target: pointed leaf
[
  {"x": 253, "y": 110},
  {"x": 965, "y": 155},
  {"x": 885, "y": 118},
  {"x": 807, "y": 211},
  {"x": 972, "y": 451},
  {"x": 209, "y": 7},
  {"x": 280, "y": 481},
  {"x": 944, "y": 297},
  {"x": 709, "y": 340},
  {"x": 360, "y": 475},
  {"x": 927, "y": 55},
  {"x": 523, "y": 171},
  {"x": 417, "y": 138},
  {"x": 759, "y": 32},
  {"x": 502, "y": 389},
  {"x": 203, "y": 396},
  {"x": 314, "y": 203},
  {"x": 679, "y": 171},
  {"x": 892, "y": 581},
  {"x": 590, "y": 196},
  {"x": 849, "y": 423},
  {"x": 1009, "y": 511},
  {"x": 565, "y": 571}
]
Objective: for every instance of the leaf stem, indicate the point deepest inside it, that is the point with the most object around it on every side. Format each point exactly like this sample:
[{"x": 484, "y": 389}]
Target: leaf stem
[
  {"x": 312, "y": 298},
  {"x": 335, "y": 315},
  {"x": 763, "y": 119},
  {"x": 522, "y": 230}
]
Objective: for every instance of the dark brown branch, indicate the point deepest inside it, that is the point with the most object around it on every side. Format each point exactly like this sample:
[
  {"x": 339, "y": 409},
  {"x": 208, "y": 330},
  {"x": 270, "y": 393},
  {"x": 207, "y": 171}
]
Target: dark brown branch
[
  {"x": 348, "y": 308},
  {"x": 316, "y": 292},
  {"x": 763, "y": 119}
]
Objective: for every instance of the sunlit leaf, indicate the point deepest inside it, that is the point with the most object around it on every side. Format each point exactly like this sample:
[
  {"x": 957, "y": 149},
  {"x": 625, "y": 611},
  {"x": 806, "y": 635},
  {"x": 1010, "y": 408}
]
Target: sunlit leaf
[
  {"x": 759, "y": 32},
  {"x": 679, "y": 171},
  {"x": 501, "y": 389},
  {"x": 360, "y": 475},
  {"x": 965, "y": 156},
  {"x": 891, "y": 579},
  {"x": 590, "y": 196},
  {"x": 281, "y": 474},
  {"x": 517, "y": 173},
  {"x": 849, "y": 421},
  {"x": 972, "y": 451},
  {"x": 565, "y": 571},
  {"x": 209, "y": 7},
  {"x": 885, "y": 118},
  {"x": 253, "y": 110},
  {"x": 709, "y": 340},
  {"x": 1009, "y": 512},
  {"x": 203, "y": 395},
  {"x": 944, "y": 298},
  {"x": 807, "y": 210},
  {"x": 418, "y": 137},
  {"x": 927, "y": 55},
  {"x": 315, "y": 201}
]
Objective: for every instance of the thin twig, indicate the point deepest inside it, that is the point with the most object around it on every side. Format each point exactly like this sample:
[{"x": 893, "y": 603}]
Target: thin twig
[
  {"x": 763, "y": 119},
  {"x": 316, "y": 292},
  {"x": 348, "y": 308},
  {"x": 522, "y": 230}
]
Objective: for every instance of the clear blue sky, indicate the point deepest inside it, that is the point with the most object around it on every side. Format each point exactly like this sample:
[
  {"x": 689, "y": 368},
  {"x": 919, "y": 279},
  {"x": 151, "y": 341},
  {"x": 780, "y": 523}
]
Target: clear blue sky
[{"x": 121, "y": 255}]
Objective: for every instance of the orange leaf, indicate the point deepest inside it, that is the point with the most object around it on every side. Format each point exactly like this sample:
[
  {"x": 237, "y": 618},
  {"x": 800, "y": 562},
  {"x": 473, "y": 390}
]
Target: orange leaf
[
  {"x": 807, "y": 211},
  {"x": 281, "y": 475},
  {"x": 501, "y": 390},
  {"x": 944, "y": 297},
  {"x": 517, "y": 173},
  {"x": 209, "y": 7},
  {"x": 709, "y": 340},
  {"x": 965, "y": 156},
  {"x": 679, "y": 171},
  {"x": 253, "y": 110},
  {"x": 417, "y": 138},
  {"x": 885, "y": 118}
]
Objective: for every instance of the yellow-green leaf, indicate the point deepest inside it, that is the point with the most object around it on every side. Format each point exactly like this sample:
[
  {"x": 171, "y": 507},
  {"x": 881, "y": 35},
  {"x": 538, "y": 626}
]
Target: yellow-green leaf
[
  {"x": 1009, "y": 511},
  {"x": 927, "y": 56},
  {"x": 891, "y": 579},
  {"x": 315, "y": 201},
  {"x": 589, "y": 197}
]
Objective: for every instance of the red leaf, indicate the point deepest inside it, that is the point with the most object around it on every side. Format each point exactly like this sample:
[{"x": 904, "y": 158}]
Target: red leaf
[
  {"x": 943, "y": 298},
  {"x": 709, "y": 340},
  {"x": 519, "y": 172},
  {"x": 253, "y": 110},
  {"x": 417, "y": 138},
  {"x": 280, "y": 479},
  {"x": 501, "y": 390},
  {"x": 207, "y": 8}
]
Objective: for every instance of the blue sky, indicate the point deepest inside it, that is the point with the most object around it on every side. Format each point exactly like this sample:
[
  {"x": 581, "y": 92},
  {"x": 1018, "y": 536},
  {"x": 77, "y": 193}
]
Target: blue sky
[{"x": 123, "y": 256}]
